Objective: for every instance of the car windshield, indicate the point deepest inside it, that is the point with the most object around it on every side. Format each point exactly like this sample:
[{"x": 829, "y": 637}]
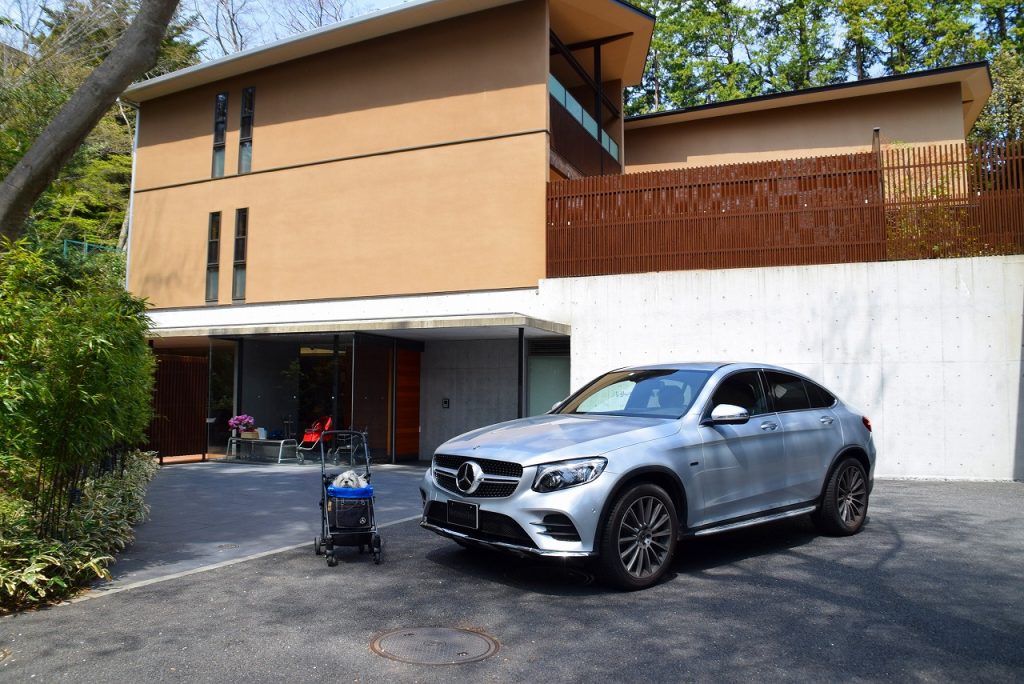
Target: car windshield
[{"x": 661, "y": 393}]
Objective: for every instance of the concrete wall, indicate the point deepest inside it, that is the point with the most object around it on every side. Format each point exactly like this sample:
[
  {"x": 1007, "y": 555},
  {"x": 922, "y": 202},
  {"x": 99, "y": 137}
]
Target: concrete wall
[
  {"x": 920, "y": 116},
  {"x": 929, "y": 350},
  {"x": 479, "y": 378}
]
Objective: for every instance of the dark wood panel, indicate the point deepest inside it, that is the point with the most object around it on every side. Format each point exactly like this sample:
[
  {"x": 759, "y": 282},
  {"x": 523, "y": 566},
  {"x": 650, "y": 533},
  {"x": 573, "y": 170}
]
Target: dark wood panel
[
  {"x": 179, "y": 405},
  {"x": 407, "y": 405}
]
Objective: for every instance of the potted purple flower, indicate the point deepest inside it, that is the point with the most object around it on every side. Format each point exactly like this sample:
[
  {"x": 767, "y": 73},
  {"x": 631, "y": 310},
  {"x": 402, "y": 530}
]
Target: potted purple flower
[{"x": 245, "y": 425}]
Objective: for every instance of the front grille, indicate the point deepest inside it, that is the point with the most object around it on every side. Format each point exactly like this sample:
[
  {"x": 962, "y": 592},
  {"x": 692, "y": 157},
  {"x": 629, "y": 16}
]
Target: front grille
[
  {"x": 558, "y": 526},
  {"x": 489, "y": 467},
  {"x": 491, "y": 490},
  {"x": 494, "y": 527}
]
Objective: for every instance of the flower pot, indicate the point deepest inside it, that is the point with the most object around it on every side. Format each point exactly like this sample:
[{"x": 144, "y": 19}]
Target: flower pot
[{"x": 250, "y": 434}]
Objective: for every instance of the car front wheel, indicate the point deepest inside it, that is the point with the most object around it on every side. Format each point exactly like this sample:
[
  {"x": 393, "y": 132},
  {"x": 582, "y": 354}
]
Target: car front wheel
[
  {"x": 638, "y": 541},
  {"x": 844, "y": 506}
]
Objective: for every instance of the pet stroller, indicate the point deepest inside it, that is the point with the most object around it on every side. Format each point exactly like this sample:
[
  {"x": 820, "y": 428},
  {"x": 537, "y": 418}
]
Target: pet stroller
[{"x": 346, "y": 513}]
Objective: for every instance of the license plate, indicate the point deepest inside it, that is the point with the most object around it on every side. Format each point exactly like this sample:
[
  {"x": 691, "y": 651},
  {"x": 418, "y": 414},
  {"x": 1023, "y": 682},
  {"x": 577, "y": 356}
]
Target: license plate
[{"x": 463, "y": 514}]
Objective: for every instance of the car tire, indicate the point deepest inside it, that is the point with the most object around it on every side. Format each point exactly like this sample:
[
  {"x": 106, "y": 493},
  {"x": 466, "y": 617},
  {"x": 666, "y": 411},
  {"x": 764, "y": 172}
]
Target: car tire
[
  {"x": 844, "y": 504},
  {"x": 638, "y": 539}
]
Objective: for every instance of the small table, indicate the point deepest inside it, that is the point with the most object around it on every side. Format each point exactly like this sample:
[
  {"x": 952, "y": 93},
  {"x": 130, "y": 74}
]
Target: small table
[{"x": 233, "y": 443}]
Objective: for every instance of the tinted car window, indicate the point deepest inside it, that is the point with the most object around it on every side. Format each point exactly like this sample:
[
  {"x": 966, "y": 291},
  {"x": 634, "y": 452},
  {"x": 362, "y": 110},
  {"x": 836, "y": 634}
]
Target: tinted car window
[
  {"x": 743, "y": 390},
  {"x": 788, "y": 392},
  {"x": 662, "y": 393},
  {"x": 818, "y": 396}
]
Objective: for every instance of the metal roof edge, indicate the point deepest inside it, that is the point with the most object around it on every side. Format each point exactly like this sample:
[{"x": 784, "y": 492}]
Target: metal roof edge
[{"x": 400, "y": 17}]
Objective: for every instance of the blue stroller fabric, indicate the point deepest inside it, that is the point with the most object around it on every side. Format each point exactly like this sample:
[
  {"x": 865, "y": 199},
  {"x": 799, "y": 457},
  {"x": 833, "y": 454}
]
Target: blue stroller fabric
[{"x": 350, "y": 492}]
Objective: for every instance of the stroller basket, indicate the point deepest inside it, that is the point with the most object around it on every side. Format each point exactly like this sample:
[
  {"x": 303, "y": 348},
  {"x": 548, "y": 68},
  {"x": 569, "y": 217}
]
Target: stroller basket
[{"x": 347, "y": 514}]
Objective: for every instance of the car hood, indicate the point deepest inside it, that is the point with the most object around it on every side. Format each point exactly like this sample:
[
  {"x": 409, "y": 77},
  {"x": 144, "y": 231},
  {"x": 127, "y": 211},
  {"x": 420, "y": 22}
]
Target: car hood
[{"x": 542, "y": 439}]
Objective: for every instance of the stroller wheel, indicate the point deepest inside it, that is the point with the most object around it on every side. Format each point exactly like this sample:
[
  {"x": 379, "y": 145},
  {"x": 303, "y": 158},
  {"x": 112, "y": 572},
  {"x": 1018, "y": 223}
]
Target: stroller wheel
[
  {"x": 316, "y": 546},
  {"x": 377, "y": 544},
  {"x": 331, "y": 560}
]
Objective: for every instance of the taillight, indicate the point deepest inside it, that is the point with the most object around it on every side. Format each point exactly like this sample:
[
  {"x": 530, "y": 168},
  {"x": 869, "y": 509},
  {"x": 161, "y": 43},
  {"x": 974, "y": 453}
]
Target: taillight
[{"x": 867, "y": 422}]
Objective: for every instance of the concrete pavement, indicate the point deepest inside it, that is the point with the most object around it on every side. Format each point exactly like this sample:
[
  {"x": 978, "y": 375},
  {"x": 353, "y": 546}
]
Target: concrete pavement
[
  {"x": 208, "y": 513},
  {"x": 931, "y": 590}
]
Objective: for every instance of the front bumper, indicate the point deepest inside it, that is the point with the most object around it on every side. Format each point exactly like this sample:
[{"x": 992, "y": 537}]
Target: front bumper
[
  {"x": 517, "y": 522},
  {"x": 504, "y": 546}
]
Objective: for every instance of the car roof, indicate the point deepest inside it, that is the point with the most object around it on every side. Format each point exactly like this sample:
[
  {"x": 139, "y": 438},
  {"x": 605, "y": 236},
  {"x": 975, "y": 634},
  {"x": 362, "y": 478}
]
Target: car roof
[{"x": 708, "y": 366}]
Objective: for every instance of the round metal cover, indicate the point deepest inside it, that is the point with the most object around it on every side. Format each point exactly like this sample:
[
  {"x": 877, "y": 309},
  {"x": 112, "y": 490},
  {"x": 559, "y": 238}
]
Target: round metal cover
[{"x": 434, "y": 646}]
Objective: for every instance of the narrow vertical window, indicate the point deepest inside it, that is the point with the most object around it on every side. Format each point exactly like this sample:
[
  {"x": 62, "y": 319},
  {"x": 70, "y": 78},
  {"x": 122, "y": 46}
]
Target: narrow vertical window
[
  {"x": 213, "y": 257},
  {"x": 245, "y": 137},
  {"x": 220, "y": 127},
  {"x": 241, "y": 233}
]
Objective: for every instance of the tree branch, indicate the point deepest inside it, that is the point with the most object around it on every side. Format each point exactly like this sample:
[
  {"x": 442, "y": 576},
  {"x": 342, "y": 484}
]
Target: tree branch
[{"x": 134, "y": 53}]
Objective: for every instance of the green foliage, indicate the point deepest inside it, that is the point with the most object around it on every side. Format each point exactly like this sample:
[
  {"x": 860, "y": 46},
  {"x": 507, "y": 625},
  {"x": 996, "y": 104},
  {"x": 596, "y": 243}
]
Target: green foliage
[
  {"x": 1003, "y": 116},
  {"x": 89, "y": 198},
  {"x": 36, "y": 569},
  {"x": 717, "y": 50},
  {"x": 76, "y": 374}
]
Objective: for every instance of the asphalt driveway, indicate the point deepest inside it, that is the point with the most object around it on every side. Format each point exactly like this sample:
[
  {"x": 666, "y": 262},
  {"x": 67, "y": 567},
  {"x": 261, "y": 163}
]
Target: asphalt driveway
[{"x": 931, "y": 590}]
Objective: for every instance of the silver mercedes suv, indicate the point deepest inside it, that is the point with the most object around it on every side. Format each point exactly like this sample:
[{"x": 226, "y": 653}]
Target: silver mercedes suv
[{"x": 642, "y": 457}]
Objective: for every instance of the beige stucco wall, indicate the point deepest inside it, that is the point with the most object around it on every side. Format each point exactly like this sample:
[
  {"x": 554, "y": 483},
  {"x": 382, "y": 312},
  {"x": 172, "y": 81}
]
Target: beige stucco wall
[
  {"x": 923, "y": 115},
  {"x": 412, "y": 163},
  {"x": 459, "y": 217}
]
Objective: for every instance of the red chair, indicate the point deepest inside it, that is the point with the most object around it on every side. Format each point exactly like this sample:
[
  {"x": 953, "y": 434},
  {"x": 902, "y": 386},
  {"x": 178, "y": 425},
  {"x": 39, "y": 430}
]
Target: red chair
[{"x": 312, "y": 436}]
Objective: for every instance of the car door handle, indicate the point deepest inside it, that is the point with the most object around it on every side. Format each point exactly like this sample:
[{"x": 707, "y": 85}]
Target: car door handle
[
  {"x": 826, "y": 420},
  {"x": 766, "y": 426}
]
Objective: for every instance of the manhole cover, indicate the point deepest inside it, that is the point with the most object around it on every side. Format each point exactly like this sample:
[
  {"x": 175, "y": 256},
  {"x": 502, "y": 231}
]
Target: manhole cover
[
  {"x": 227, "y": 546},
  {"x": 434, "y": 646}
]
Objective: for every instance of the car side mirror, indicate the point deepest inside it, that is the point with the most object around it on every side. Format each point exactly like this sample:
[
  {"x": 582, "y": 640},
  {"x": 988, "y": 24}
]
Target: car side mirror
[{"x": 728, "y": 414}]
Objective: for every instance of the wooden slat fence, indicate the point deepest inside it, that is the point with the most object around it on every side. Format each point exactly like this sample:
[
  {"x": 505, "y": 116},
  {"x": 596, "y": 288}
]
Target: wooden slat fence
[
  {"x": 954, "y": 201},
  {"x": 930, "y": 202}
]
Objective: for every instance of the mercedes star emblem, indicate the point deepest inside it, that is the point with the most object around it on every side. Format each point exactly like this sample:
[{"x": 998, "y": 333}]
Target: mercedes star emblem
[{"x": 469, "y": 477}]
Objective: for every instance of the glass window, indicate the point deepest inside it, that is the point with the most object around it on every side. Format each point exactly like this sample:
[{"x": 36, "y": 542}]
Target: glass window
[
  {"x": 744, "y": 390},
  {"x": 787, "y": 391},
  {"x": 220, "y": 126},
  {"x": 238, "y": 283},
  {"x": 245, "y": 130},
  {"x": 819, "y": 396},
  {"x": 212, "y": 256},
  {"x": 658, "y": 393},
  {"x": 241, "y": 240}
]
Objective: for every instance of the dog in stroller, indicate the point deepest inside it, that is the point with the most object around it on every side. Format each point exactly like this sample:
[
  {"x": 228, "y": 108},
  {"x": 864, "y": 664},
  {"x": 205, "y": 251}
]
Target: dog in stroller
[{"x": 347, "y": 504}]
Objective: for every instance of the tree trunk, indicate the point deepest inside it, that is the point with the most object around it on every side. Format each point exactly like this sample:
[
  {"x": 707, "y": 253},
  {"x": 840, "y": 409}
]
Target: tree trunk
[{"x": 134, "y": 53}]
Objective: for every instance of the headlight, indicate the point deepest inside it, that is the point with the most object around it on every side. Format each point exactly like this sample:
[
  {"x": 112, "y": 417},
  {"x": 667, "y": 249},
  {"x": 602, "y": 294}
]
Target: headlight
[{"x": 554, "y": 476}]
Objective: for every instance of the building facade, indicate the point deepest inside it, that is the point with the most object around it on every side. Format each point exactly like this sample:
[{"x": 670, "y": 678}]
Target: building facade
[{"x": 353, "y": 222}]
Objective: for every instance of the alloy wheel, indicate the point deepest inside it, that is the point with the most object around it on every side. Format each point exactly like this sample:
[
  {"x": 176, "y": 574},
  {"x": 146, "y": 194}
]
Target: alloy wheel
[
  {"x": 851, "y": 495},
  {"x": 645, "y": 534}
]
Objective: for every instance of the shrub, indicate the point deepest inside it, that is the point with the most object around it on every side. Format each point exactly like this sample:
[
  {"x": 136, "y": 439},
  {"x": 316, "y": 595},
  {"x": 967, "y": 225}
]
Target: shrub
[
  {"x": 36, "y": 570},
  {"x": 76, "y": 374}
]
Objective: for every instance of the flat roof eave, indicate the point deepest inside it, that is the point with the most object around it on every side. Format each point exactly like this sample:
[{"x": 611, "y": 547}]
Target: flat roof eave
[{"x": 974, "y": 79}]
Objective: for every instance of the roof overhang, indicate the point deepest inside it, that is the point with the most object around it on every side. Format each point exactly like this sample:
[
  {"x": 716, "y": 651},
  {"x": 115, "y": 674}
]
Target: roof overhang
[
  {"x": 974, "y": 80},
  {"x": 583, "y": 21},
  {"x": 395, "y": 19},
  {"x": 466, "y": 327}
]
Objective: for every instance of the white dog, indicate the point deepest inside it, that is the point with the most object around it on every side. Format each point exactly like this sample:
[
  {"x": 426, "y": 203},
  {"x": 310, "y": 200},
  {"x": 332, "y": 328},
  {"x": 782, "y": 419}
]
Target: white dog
[{"x": 350, "y": 479}]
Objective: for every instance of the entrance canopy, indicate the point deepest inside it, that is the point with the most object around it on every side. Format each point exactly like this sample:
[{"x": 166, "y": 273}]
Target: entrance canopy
[{"x": 462, "y": 327}]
